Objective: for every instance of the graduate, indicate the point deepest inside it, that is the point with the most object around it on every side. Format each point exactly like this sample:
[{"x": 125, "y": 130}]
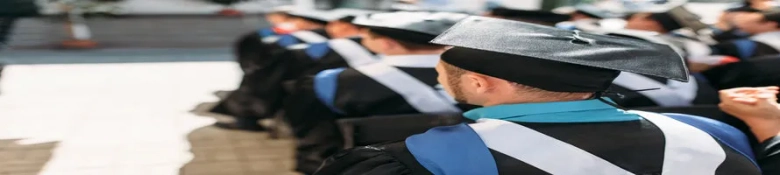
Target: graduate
[
  {"x": 402, "y": 82},
  {"x": 255, "y": 100},
  {"x": 667, "y": 23},
  {"x": 544, "y": 114},
  {"x": 764, "y": 28}
]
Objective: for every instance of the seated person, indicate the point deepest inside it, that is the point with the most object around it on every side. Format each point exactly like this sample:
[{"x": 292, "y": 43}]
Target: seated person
[
  {"x": 758, "y": 108},
  {"x": 254, "y": 55},
  {"x": 725, "y": 30},
  {"x": 254, "y": 89},
  {"x": 543, "y": 113},
  {"x": 402, "y": 82},
  {"x": 666, "y": 24},
  {"x": 764, "y": 27},
  {"x": 279, "y": 15}
]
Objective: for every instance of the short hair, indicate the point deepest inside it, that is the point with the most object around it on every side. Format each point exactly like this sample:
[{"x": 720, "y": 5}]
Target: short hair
[
  {"x": 408, "y": 45},
  {"x": 454, "y": 73}
]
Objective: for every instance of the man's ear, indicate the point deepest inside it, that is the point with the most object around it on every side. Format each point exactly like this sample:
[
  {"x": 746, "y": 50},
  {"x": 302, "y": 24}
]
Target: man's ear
[{"x": 478, "y": 82}]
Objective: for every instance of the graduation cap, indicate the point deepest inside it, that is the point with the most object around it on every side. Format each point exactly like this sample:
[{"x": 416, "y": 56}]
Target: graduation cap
[
  {"x": 532, "y": 16},
  {"x": 554, "y": 59},
  {"x": 416, "y": 27}
]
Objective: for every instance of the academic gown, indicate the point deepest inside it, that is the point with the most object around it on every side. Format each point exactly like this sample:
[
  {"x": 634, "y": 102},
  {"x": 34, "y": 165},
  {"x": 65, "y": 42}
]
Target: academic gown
[
  {"x": 254, "y": 53},
  {"x": 548, "y": 138},
  {"x": 755, "y": 72},
  {"x": 670, "y": 93},
  {"x": 319, "y": 101},
  {"x": 765, "y": 44},
  {"x": 268, "y": 85}
]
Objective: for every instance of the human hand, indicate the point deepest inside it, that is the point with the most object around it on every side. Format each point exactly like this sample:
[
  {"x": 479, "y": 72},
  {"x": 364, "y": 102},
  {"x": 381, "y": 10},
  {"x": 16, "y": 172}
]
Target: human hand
[{"x": 757, "y": 107}]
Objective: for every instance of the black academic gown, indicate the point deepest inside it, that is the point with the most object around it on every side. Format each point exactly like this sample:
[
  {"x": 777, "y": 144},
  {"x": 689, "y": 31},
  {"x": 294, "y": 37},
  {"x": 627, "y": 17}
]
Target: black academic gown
[
  {"x": 270, "y": 85},
  {"x": 768, "y": 155},
  {"x": 765, "y": 44},
  {"x": 319, "y": 101},
  {"x": 673, "y": 93},
  {"x": 645, "y": 155},
  {"x": 254, "y": 55},
  {"x": 755, "y": 72}
]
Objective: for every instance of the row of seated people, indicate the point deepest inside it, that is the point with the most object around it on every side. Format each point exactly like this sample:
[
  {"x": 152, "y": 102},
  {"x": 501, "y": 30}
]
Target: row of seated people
[{"x": 389, "y": 70}]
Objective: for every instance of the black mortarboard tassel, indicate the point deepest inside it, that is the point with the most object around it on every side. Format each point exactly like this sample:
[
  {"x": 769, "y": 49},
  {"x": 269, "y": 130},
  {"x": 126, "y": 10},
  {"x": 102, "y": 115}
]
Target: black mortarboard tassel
[
  {"x": 416, "y": 27},
  {"x": 554, "y": 59}
]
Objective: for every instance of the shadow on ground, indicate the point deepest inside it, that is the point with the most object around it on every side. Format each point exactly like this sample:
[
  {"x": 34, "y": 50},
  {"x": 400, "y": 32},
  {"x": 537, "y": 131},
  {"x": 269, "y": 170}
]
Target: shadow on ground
[
  {"x": 217, "y": 151},
  {"x": 20, "y": 159}
]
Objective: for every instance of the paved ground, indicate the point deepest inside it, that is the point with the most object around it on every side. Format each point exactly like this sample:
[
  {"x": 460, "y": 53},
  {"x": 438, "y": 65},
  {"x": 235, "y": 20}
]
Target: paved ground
[{"x": 119, "y": 112}]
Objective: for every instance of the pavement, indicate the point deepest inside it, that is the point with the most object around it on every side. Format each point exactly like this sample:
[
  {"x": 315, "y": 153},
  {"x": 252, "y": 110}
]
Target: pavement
[{"x": 125, "y": 109}]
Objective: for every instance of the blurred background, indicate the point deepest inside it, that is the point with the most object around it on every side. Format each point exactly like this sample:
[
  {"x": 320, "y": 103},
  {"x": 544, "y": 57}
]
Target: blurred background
[{"x": 115, "y": 86}]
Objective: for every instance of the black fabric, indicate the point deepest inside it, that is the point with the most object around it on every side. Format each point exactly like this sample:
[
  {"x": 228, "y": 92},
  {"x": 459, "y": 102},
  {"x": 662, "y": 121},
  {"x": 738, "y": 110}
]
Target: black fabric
[
  {"x": 6, "y": 27},
  {"x": 390, "y": 159},
  {"x": 18, "y": 8},
  {"x": 755, "y": 72},
  {"x": 772, "y": 15},
  {"x": 357, "y": 96},
  {"x": 403, "y": 35},
  {"x": 259, "y": 65},
  {"x": 729, "y": 35},
  {"x": 539, "y": 73},
  {"x": 731, "y": 48},
  {"x": 630, "y": 98},
  {"x": 636, "y": 146},
  {"x": 547, "y": 43},
  {"x": 768, "y": 155},
  {"x": 666, "y": 20},
  {"x": 532, "y": 16}
]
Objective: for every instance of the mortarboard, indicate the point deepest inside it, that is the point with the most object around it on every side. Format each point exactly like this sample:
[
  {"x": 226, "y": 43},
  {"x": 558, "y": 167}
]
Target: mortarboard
[
  {"x": 772, "y": 14},
  {"x": 554, "y": 59},
  {"x": 532, "y": 16},
  {"x": 416, "y": 27}
]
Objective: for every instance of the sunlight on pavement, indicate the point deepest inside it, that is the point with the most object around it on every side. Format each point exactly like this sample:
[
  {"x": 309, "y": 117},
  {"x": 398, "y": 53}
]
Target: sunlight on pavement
[{"x": 110, "y": 118}]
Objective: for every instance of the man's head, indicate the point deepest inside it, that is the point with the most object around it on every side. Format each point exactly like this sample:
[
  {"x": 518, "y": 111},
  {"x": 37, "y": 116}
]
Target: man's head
[
  {"x": 276, "y": 18},
  {"x": 387, "y": 45},
  {"x": 495, "y": 61},
  {"x": 656, "y": 22},
  {"x": 302, "y": 23},
  {"x": 342, "y": 28},
  {"x": 479, "y": 89},
  {"x": 405, "y": 33},
  {"x": 758, "y": 22}
]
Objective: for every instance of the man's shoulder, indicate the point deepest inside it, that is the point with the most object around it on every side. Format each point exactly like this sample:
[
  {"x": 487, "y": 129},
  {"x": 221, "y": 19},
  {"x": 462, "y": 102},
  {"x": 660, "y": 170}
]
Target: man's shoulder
[{"x": 386, "y": 158}]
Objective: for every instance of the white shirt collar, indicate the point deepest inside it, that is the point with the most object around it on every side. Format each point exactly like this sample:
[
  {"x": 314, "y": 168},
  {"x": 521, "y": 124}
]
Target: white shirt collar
[{"x": 417, "y": 61}]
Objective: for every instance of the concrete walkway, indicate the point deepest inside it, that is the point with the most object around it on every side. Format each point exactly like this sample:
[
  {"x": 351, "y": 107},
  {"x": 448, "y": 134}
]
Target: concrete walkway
[{"x": 125, "y": 119}]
